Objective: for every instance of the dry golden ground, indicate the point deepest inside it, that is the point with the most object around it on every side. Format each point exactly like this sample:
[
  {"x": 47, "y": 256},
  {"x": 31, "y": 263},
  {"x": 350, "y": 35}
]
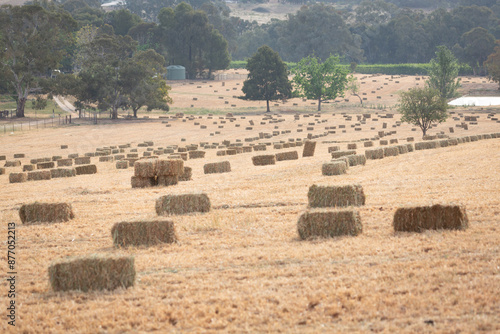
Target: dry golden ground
[{"x": 241, "y": 267}]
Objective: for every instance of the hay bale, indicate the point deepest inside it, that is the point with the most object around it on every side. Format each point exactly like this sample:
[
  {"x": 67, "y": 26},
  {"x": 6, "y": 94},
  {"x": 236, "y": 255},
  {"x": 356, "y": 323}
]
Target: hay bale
[
  {"x": 291, "y": 155},
  {"x": 45, "y": 165},
  {"x": 2, "y": 170},
  {"x": 356, "y": 159},
  {"x": 62, "y": 172},
  {"x": 82, "y": 161},
  {"x": 427, "y": 145},
  {"x": 221, "y": 153},
  {"x": 196, "y": 154},
  {"x": 328, "y": 224},
  {"x": 377, "y": 153},
  {"x": 333, "y": 149},
  {"x": 19, "y": 155},
  {"x": 181, "y": 204},
  {"x": 352, "y": 146},
  {"x": 142, "y": 182},
  {"x": 263, "y": 160},
  {"x": 383, "y": 142},
  {"x": 28, "y": 168},
  {"x": 418, "y": 219},
  {"x": 3, "y": 157},
  {"x": 332, "y": 196},
  {"x": 18, "y": 177},
  {"x": 86, "y": 169},
  {"x": 146, "y": 233},
  {"x": 338, "y": 154},
  {"x": 106, "y": 159},
  {"x": 46, "y": 212},
  {"x": 368, "y": 144},
  {"x": 170, "y": 167},
  {"x": 122, "y": 164},
  {"x": 64, "y": 162},
  {"x": 217, "y": 167},
  {"x": 167, "y": 180},
  {"x": 58, "y": 157},
  {"x": 334, "y": 168},
  {"x": 39, "y": 175},
  {"x": 146, "y": 168},
  {"x": 12, "y": 163},
  {"x": 309, "y": 148},
  {"x": 391, "y": 151},
  {"x": 92, "y": 273},
  {"x": 403, "y": 149},
  {"x": 187, "y": 174}
]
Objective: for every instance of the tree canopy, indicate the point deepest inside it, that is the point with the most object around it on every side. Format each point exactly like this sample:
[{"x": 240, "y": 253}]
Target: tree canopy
[
  {"x": 320, "y": 81},
  {"x": 267, "y": 77},
  {"x": 493, "y": 64},
  {"x": 444, "y": 72},
  {"x": 422, "y": 107},
  {"x": 33, "y": 42}
]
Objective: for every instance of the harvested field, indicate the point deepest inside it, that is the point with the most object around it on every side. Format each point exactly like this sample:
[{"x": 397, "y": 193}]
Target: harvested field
[{"x": 241, "y": 267}]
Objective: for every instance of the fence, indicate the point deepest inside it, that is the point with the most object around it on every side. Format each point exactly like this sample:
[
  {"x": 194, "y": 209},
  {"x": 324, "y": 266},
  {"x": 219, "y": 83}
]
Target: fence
[{"x": 36, "y": 124}]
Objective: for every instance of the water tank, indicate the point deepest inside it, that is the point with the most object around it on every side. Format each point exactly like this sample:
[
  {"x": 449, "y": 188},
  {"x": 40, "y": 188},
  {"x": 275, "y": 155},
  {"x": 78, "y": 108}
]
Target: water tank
[{"x": 176, "y": 72}]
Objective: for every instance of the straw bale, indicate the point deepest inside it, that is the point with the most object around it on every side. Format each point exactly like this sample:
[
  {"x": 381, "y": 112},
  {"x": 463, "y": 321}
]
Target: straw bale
[
  {"x": 62, "y": 172},
  {"x": 393, "y": 141},
  {"x": 12, "y": 163},
  {"x": 217, "y": 167},
  {"x": 426, "y": 145},
  {"x": 3, "y": 157},
  {"x": 106, "y": 159},
  {"x": 334, "y": 168},
  {"x": 63, "y": 147},
  {"x": 45, "y": 165},
  {"x": 231, "y": 151},
  {"x": 368, "y": 144},
  {"x": 187, "y": 174},
  {"x": 263, "y": 160},
  {"x": 58, "y": 157},
  {"x": 377, "y": 153},
  {"x": 2, "y": 170},
  {"x": 331, "y": 196},
  {"x": 329, "y": 223},
  {"x": 391, "y": 151},
  {"x": 86, "y": 169},
  {"x": 73, "y": 156},
  {"x": 435, "y": 217},
  {"x": 221, "y": 153},
  {"x": 82, "y": 161},
  {"x": 142, "y": 182},
  {"x": 146, "y": 168},
  {"x": 167, "y": 180},
  {"x": 39, "y": 175},
  {"x": 356, "y": 159},
  {"x": 403, "y": 149},
  {"x": 28, "y": 168},
  {"x": 338, "y": 154},
  {"x": 19, "y": 155},
  {"x": 333, "y": 149},
  {"x": 443, "y": 143},
  {"x": 291, "y": 155},
  {"x": 18, "y": 177},
  {"x": 352, "y": 146},
  {"x": 181, "y": 204},
  {"x": 196, "y": 154},
  {"x": 122, "y": 164},
  {"x": 452, "y": 142},
  {"x": 309, "y": 148},
  {"x": 45, "y": 212},
  {"x": 170, "y": 167},
  {"x": 95, "y": 272},
  {"x": 410, "y": 147},
  {"x": 148, "y": 233},
  {"x": 64, "y": 162}
]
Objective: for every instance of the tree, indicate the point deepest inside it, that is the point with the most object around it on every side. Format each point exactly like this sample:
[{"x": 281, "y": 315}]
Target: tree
[
  {"x": 493, "y": 64},
  {"x": 267, "y": 77},
  {"x": 320, "y": 81},
  {"x": 422, "y": 107},
  {"x": 33, "y": 42},
  {"x": 353, "y": 87},
  {"x": 443, "y": 73},
  {"x": 478, "y": 44}
]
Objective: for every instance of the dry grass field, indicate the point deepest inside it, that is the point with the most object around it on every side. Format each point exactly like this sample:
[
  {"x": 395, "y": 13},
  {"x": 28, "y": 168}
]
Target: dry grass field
[{"x": 241, "y": 267}]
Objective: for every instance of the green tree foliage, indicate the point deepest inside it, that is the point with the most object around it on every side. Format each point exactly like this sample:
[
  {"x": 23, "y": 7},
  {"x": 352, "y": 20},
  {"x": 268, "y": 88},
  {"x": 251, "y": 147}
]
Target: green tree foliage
[
  {"x": 122, "y": 21},
  {"x": 478, "y": 45},
  {"x": 267, "y": 77},
  {"x": 320, "y": 81},
  {"x": 422, "y": 107},
  {"x": 493, "y": 64},
  {"x": 33, "y": 42},
  {"x": 189, "y": 40},
  {"x": 353, "y": 87},
  {"x": 39, "y": 103},
  {"x": 443, "y": 73}
]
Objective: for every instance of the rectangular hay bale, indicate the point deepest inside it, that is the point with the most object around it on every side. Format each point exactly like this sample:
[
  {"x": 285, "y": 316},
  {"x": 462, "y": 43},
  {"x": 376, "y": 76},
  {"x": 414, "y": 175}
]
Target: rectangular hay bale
[
  {"x": 328, "y": 223},
  {"x": 146, "y": 233},
  {"x": 45, "y": 212},
  {"x": 217, "y": 167},
  {"x": 435, "y": 217},
  {"x": 182, "y": 204},
  {"x": 333, "y": 196}
]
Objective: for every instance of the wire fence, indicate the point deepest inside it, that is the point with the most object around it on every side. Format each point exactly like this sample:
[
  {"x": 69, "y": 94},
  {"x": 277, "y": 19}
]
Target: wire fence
[{"x": 34, "y": 124}]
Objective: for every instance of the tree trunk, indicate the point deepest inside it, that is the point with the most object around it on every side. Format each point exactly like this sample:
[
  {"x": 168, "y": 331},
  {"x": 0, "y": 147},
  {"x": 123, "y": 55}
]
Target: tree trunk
[
  {"x": 135, "y": 112},
  {"x": 424, "y": 131},
  {"x": 359, "y": 97},
  {"x": 268, "y": 110},
  {"x": 319, "y": 104},
  {"x": 21, "y": 103},
  {"x": 114, "y": 113}
]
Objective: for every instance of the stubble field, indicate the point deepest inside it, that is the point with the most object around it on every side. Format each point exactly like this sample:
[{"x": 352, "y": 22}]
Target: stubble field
[{"x": 242, "y": 267}]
